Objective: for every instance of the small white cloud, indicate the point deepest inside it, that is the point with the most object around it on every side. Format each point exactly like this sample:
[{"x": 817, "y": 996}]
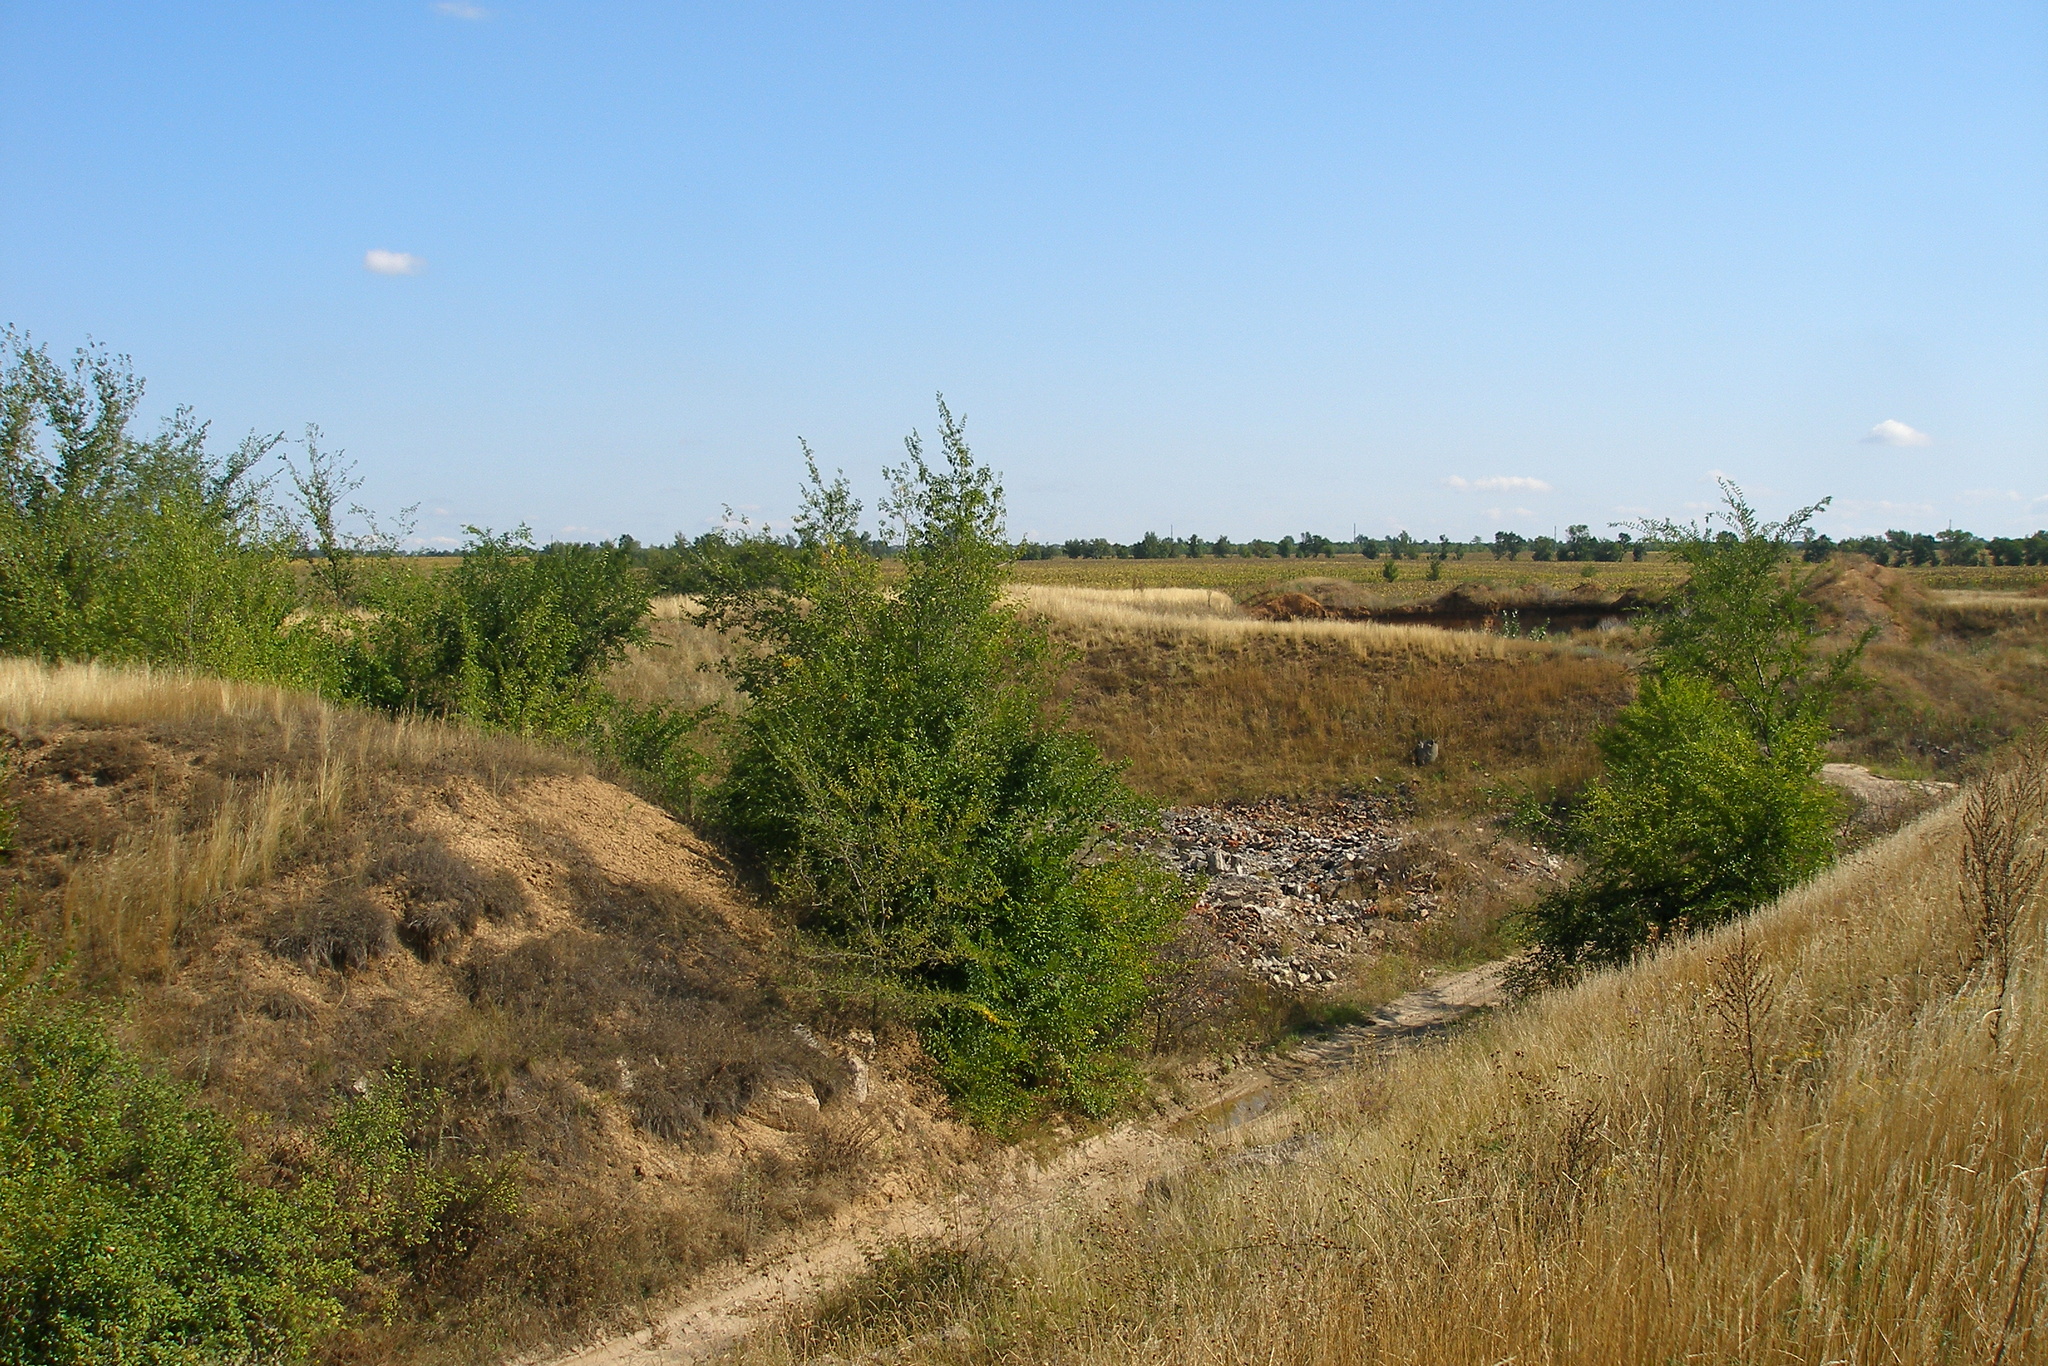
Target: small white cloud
[
  {"x": 1892, "y": 432},
  {"x": 455, "y": 9},
  {"x": 1498, "y": 483},
  {"x": 379, "y": 262}
]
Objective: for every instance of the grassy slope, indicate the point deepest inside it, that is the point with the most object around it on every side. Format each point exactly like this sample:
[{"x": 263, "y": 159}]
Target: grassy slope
[
  {"x": 1592, "y": 1178},
  {"x": 288, "y": 898},
  {"x": 1204, "y": 704}
]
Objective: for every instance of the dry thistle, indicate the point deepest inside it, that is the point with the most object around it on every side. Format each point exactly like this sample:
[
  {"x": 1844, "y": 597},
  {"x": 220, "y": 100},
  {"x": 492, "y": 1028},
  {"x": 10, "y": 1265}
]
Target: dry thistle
[
  {"x": 2004, "y": 858},
  {"x": 1741, "y": 993}
]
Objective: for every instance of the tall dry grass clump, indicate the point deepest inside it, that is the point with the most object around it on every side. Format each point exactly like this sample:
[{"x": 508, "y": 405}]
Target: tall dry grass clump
[
  {"x": 33, "y": 693},
  {"x": 1792, "y": 1140},
  {"x": 122, "y": 912}
]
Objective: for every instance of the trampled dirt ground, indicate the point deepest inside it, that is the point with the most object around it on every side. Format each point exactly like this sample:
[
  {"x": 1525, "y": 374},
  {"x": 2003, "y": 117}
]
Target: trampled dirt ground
[{"x": 1238, "y": 1118}]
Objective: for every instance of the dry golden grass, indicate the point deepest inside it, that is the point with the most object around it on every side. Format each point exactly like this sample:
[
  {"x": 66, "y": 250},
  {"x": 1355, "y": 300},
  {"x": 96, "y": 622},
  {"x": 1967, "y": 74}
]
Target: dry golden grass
[
  {"x": 679, "y": 664},
  {"x": 121, "y": 913},
  {"x": 1243, "y": 578},
  {"x": 286, "y": 897},
  {"x": 1793, "y": 1140},
  {"x": 1989, "y": 600},
  {"x": 122, "y": 910},
  {"x": 32, "y": 693},
  {"x": 1203, "y": 709},
  {"x": 1209, "y": 616}
]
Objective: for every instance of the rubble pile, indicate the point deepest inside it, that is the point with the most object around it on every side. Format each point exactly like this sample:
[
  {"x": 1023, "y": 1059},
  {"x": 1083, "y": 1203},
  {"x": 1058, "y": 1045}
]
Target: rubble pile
[{"x": 1295, "y": 888}]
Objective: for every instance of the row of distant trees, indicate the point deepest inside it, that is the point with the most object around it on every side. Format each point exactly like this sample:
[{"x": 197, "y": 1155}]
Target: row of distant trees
[
  {"x": 1942, "y": 547},
  {"x": 687, "y": 564},
  {"x": 1579, "y": 543}
]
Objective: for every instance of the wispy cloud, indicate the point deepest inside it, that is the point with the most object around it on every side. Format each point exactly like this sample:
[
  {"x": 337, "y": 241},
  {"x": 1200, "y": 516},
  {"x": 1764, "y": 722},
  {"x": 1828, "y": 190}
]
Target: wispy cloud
[
  {"x": 1892, "y": 432},
  {"x": 380, "y": 262},
  {"x": 455, "y": 9},
  {"x": 1498, "y": 483}
]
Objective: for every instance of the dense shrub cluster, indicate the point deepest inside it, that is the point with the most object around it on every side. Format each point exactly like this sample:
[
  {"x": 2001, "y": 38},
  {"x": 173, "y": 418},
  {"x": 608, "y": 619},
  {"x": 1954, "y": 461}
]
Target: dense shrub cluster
[
  {"x": 1952, "y": 546},
  {"x": 128, "y": 1229},
  {"x": 901, "y": 773},
  {"x": 508, "y": 638},
  {"x": 153, "y": 550}
]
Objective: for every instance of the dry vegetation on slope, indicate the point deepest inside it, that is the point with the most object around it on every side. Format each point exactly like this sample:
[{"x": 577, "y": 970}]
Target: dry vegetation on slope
[
  {"x": 1948, "y": 677},
  {"x": 291, "y": 901},
  {"x": 1214, "y": 705},
  {"x": 1207, "y": 703},
  {"x": 1797, "y": 1139}
]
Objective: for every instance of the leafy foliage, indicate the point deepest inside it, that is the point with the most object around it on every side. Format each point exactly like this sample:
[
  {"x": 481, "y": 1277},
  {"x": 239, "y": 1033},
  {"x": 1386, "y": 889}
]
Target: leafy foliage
[
  {"x": 1693, "y": 822},
  {"x": 392, "y": 1193},
  {"x": 901, "y": 773},
  {"x": 1710, "y": 803},
  {"x": 318, "y": 488},
  {"x": 509, "y": 638},
  {"x": 136, "y": 549},
  {"x": 1741, "y": 622},
  {"x": 128, "y": 1232}
]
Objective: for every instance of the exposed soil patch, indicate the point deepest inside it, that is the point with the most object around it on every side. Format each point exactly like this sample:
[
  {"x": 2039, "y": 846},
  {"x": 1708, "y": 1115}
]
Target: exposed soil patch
[{"x": 1237, "y": 1119}]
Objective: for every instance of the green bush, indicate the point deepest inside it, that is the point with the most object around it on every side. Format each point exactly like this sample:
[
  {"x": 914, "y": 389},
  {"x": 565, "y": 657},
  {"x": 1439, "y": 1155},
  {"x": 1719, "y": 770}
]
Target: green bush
[
  {"x": 901, "y": 772},
  {"x": 510, "y": 638},
  {"x": 116, "y": 547},
  {"x": 405, "y": 1205},
  {"x": 657, "y": 742},
  {"x": 128, "y": 1232},
  {"x": 1710, "y": 802},
  {"x": 1691, "y": 823}
]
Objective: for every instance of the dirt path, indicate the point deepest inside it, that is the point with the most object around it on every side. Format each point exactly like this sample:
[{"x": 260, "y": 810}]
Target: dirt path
[{"x": 1114, "y": 1165}]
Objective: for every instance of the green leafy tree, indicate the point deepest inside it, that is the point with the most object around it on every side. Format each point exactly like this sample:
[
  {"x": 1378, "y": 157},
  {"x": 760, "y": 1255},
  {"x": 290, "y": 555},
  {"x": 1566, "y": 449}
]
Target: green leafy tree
[
  {"x": 1741, "y": 620},
  {"x": 128, "y": 548},
  {"x": 902, "y": 774},
  {"x": 128, "y": 1231},
  {"x": 1710, "y": 801},
  {"x": 1692, "y": 822},
  {"x": 319, "y": 486}
]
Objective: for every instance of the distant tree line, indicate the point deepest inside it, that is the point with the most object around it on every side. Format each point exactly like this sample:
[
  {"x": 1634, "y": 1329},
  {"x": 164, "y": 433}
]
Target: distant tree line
[
  {"x": 1952, "y": 547},
  {"x": 1578, "y": 543},
  {"x": 688, "y": 564}
]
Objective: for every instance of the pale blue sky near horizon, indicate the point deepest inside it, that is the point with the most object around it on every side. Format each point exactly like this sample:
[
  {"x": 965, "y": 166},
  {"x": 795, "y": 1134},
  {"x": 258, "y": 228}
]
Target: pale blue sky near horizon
[{"x": 1216, "y": 268}]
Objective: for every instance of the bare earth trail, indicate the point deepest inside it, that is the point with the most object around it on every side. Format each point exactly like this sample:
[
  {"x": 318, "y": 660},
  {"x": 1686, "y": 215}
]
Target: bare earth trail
[{"x": 1114, "y": 1165}]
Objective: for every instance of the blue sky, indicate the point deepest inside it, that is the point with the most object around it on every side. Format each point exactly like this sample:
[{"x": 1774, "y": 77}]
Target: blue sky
[{"x": 1251, "y": 269}]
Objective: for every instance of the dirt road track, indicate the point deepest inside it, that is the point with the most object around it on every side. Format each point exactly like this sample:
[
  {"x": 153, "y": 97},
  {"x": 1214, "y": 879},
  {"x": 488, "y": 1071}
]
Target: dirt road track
[{"x": 1113, "y": 1165}]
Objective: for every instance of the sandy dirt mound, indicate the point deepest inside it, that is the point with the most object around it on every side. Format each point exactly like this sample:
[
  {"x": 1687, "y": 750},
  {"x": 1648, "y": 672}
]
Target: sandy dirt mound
[
  {"x": 1857, "y": 595},
  {"x": 589, "y": 994}
]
